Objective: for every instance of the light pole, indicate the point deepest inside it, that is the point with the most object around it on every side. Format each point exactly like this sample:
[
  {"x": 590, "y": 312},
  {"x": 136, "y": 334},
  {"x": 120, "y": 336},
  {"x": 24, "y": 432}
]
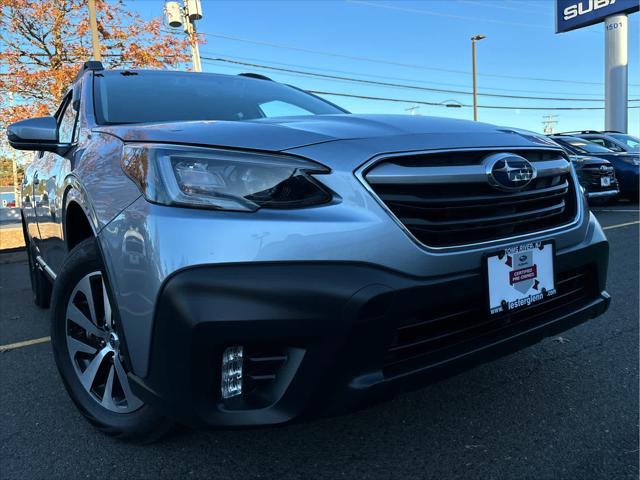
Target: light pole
[
  {"x": 474, "y": 39},
  {"x": 185, "y": 16}
]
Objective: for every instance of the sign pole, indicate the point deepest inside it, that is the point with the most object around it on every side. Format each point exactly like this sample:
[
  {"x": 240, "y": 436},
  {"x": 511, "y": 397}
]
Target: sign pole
[{"x": 616, "y": 63}]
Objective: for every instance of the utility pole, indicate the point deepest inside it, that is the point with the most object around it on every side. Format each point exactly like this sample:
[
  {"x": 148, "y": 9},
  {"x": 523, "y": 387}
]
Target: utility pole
[
  {"x": 185, "y": 16},
  {"x": 548, "y": 121},
  {"x": 93, "y": 22},
  {"x": 474, "y": 39},
  {"x": 14, "y": 166}
]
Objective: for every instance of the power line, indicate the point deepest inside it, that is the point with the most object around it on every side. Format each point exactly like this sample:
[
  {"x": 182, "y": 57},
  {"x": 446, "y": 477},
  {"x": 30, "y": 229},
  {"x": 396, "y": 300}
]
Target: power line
[
  {"x": 422, "y": 102},
  {"x": 484, "y": 4},
  {"x": 386, "y": 77},
  {"x": 396, "y": 85},
  {"x": 447, "y": 15},
  {"x": 397, "y": 64}
]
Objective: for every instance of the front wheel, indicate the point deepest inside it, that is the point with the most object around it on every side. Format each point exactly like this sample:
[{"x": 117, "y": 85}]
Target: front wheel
[{"x": 89, "y": 353}]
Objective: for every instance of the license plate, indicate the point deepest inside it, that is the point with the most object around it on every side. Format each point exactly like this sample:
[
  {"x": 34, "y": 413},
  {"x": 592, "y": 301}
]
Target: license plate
[
  {"x": 605, "y": 181},
  {"x": 519, "y": 276}
]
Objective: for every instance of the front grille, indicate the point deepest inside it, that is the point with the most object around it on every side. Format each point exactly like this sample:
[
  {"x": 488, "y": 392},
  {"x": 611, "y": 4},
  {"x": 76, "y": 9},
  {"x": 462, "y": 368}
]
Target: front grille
[
  {"x": 445, "y": 200},
  {"x": 427, "y": 338},
  {"x": 590, "y": 178}
]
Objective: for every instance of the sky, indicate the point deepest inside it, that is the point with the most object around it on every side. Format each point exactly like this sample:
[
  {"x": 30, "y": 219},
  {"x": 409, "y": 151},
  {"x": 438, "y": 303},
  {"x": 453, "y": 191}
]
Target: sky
[{"x": 420, "y": 43}]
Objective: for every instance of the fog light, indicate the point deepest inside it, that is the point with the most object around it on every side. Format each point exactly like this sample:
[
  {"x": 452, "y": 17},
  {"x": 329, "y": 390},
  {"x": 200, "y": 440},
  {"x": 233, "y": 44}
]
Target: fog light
[{"x": 232, "y": 372}]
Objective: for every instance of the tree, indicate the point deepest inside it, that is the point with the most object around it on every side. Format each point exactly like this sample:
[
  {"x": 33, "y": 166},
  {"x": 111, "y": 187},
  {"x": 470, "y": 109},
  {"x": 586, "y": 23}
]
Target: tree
[
  {"x": 43, "y": 43},
  {"x": 6, "y": 172}
]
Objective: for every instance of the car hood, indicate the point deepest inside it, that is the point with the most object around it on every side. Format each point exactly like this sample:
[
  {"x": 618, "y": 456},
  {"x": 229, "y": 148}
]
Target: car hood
[
  {"x": 288, "y": 133},
  {"x": 613, "y": 156},
  {"x": 582, "y": 161}
]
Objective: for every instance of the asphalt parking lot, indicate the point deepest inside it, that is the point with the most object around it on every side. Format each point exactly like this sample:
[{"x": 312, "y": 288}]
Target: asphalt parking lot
[{"x": 565, "y": 408}]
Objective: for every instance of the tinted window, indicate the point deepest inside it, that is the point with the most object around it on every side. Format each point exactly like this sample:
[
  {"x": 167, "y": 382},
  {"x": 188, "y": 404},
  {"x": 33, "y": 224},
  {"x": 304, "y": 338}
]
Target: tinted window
[
  {"x": 278, "y": 108},
  {"x": 66, "y": 124},
  {"x": 606, "y": 143},
  {"x": 599, "y": 141},
  {"x": 133, "y": 97},
  {"x": 629, "y": 140},
  {"x": 584, "y": 146}
]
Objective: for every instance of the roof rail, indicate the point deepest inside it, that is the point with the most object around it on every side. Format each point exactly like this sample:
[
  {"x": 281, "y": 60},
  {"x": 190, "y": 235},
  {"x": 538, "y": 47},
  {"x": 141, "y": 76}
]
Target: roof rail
[
  {"x": 255, "y": 75},
  {"x": 90, "y": 65},
  {"x": 578, "y": 132},
  {"x": 611, "y": 131}
]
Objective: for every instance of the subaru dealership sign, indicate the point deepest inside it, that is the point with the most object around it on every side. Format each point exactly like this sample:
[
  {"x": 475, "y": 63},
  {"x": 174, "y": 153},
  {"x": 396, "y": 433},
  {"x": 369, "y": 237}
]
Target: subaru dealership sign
[{"x": 572, "y": 14}]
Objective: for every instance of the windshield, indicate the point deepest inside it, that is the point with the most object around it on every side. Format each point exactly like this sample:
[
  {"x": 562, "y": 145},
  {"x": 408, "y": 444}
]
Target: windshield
[
  {"x": 163, "y": 96},
  {"x": 583, "y": 146},
  {"x": 631, "y": 141}
]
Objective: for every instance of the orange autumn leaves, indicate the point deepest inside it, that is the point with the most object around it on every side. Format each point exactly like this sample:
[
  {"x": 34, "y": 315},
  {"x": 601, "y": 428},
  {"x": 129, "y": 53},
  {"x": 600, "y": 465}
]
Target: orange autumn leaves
[{"x": 44, "y": 42}]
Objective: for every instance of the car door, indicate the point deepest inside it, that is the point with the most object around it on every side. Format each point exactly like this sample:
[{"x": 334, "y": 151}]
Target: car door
[
  {"x": 28, "y": 200},
  {"x": 52, "y": 168}
]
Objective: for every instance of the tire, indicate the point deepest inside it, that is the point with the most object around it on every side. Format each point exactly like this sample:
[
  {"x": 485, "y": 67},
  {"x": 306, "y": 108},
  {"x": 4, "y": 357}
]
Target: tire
[
  {"x": 40, "y": 285},
  {"x": 86, "y": 347}
]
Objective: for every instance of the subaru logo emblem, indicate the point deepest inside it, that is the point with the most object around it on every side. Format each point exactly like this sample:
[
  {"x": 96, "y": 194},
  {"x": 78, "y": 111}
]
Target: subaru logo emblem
[{"x": 508, "y": 171}]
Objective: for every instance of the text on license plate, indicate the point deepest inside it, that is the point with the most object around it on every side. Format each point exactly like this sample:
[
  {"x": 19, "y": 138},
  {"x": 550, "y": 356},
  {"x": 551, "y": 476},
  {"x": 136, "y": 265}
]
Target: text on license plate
[{"x": 519, "y": 276}]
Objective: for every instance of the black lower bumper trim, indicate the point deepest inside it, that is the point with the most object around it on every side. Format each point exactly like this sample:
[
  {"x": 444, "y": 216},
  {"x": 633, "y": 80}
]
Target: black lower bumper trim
[{"x": 333, "y": 324}]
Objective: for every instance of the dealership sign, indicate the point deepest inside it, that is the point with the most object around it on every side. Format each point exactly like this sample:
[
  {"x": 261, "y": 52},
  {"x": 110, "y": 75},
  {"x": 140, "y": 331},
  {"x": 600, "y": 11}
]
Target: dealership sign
[{"x": 572, "y": 14}]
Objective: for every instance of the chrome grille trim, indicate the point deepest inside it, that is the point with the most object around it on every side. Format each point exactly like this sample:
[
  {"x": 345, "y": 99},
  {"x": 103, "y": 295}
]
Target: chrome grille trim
[
  {"x": 393, "y": 174},
  {"x": 571, "y": 225}
]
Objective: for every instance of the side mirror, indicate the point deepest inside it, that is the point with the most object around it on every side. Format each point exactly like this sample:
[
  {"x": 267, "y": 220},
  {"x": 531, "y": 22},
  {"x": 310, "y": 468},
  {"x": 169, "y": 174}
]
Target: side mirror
[{"x": 36, "y": 134}]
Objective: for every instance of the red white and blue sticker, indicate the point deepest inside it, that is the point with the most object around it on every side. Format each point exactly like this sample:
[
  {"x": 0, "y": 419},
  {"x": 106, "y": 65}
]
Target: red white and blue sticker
[{"x": 520, "y": 276}]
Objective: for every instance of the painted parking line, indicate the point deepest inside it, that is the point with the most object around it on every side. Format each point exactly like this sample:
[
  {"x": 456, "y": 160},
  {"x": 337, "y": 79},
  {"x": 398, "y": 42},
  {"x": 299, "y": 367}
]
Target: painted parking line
[
  {"x": 614, "y": 210},
  {"x": 26, "y": 343},
  {"x": 621, "y": 225}
]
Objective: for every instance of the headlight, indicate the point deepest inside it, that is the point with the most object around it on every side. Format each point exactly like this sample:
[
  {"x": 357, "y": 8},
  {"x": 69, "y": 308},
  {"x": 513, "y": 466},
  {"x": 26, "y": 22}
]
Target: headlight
[{"x": 222, "y": 179}]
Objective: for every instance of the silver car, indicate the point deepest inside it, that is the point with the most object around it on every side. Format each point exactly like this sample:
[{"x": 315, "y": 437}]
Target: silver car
[{"x": 228, "y": 250}]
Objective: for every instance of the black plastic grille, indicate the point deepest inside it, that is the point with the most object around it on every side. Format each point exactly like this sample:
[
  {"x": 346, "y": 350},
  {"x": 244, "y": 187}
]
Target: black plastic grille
[
  {"x": 457, "y": 213},
  {"x": 590, "y": 178},
  {"x": 261, "y": 367},
  {"x": 431, "y": 337}
]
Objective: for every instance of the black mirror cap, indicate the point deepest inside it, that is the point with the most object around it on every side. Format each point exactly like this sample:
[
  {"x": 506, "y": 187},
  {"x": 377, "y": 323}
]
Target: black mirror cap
[{"x": 36, "y": 134}]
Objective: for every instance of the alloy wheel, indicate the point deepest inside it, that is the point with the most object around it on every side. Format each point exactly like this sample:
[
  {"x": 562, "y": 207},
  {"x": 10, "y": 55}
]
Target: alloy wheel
[{"x": 93, "y": 345}]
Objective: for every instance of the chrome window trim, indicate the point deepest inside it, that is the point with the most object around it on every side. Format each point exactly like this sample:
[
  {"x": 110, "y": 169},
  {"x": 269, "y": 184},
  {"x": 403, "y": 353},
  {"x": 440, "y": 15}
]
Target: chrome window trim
[{"x": 362, "y": 170}]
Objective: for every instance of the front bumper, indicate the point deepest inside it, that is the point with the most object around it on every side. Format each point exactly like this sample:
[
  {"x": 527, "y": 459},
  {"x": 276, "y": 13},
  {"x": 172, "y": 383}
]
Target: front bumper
[
  {"x": 342, "y": 329},
  {"x": 603, "y": 194}
]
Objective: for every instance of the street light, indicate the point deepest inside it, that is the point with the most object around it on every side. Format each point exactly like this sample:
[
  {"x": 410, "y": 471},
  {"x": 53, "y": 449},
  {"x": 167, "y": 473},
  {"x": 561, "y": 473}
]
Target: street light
[
  {"x": 474, "y": 39},
  {"x": 186, "y": 16}
]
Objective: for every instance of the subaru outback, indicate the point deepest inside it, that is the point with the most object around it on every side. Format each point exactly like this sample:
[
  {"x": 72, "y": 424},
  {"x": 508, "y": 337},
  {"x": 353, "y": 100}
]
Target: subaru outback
[{"x": 231, "y": 251}]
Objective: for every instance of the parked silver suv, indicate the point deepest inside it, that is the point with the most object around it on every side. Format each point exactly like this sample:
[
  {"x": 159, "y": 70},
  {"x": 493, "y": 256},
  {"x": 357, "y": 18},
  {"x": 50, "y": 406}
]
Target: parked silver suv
[{"x": 228, "y": 250}]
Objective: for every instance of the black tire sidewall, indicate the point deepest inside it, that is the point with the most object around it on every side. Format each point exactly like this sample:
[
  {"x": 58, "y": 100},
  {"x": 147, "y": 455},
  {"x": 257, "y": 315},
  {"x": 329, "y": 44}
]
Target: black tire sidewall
[{"x": 82, "y": 260}]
